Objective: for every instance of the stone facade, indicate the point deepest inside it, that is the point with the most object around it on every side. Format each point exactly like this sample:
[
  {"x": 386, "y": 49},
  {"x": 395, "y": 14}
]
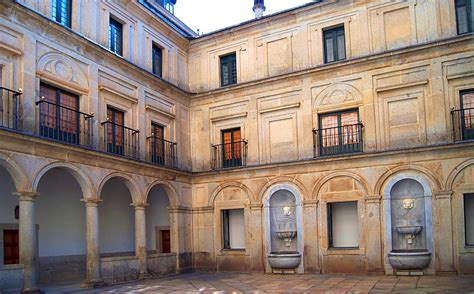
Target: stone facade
[{"x": 404, "y": 70}]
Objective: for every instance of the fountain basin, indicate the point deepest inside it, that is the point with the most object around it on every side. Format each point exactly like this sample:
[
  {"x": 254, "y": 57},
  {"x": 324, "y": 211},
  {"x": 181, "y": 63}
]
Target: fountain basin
[
  {"x": 417, "y": 259},
  {"x": 284, "y": 259},
  {"x": 286, "y": 234},
  {"x": 409, "y": 230}
]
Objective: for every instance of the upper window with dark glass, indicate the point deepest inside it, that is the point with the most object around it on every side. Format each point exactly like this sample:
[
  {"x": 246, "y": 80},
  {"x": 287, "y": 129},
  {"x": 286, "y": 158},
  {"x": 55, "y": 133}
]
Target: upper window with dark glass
[
  {"x": 464, "y": 20},
  {"x": 115, "y": 36},
  {"x": 334, "y": 44},
  {"x": 228, "y": 69},
  {"x": 157, "y": 60},
  {"x": 62, "y": 12}
]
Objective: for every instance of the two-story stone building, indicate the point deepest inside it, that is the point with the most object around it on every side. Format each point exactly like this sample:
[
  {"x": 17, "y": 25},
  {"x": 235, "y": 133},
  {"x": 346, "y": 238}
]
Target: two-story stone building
[{"x": 338, "y": 131}]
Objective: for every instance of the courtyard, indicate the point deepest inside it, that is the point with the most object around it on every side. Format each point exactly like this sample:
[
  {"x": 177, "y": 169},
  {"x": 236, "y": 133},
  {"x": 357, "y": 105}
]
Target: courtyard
[{"x": 265, "y": 283}]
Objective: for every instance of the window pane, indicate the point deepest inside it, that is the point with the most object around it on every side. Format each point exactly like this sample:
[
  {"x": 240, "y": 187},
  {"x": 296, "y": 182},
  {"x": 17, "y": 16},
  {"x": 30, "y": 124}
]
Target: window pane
[
  {"x": 341, "y": 46},
  {"x": 344, "y": 224},
  {"x": 329, "y": 50},
  {"x": 468, "y": 109},
  {"x": 228, "y": 70},
  {"x": 157, "y": 61},
  {"x": 237, "y": 229},
  {"x": 330, "y": 132},
  {"x": 469, "y": 218}
]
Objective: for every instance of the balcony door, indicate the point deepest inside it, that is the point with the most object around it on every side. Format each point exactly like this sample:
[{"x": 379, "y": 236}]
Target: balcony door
[
  {"x": 467, "y": 114},
  {"x": 157, "y": 145},
  {"x": 232, "y": 148},
  {"x": 59, "y": 114},
  {"x": 339, "y": 133},
  {"x": 115, "y": 131}
]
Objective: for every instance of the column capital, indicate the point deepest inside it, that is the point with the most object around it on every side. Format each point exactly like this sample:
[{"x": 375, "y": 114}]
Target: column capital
[
  {"x": 256, "y": 206},
  {"x": 140, "y": 206},
  {"x": 91, "y": 202},
  {"x": 179, "y": 209},
  {"x": 444, "y": 194},
  {"x": 373, "y": 198},
  {"x": 311, "y": 203},
  {"x": 26, "y": 195}
]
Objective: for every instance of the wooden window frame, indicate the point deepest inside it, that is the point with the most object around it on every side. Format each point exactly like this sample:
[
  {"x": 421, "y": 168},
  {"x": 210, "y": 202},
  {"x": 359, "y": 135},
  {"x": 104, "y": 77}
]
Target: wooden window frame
[
  {"x": 112, "y": 146},
  {"x": 333, "y": 34},
  {"x": 157, "y": 60},
  {"x": 115, "y": 36},
  {"x": 460, "y": 4},
  {"x": 329, "y": 206},
  {"x": 58, "y": 12},
  {"x": 231, "y": 61},
  {"x": 234, "y": 160}
]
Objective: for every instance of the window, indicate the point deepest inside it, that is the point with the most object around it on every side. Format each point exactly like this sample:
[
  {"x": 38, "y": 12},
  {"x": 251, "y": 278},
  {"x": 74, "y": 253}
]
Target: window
[
  {"x": 62, "y": 12},
  {"x": 340, "y": 132},
  {"x": 115, "y": 131},
  {"x": 464, "y": 20},
  {"x": 232, "y": 148},
  {"x": 334, "y": 44},
  {"x": 469, "y": 218},
  {"x": 467, "y": 114},
  {"x": 59, "y": 114},
  {"x": 115, "y": 36},
  {"x": 343, "y": 229},
  {"x": 228, "y": 70},
  {"x": 233, "y": 228},
  {"x": 157, "y": 60},
  {"x": 157, "y": 144}
]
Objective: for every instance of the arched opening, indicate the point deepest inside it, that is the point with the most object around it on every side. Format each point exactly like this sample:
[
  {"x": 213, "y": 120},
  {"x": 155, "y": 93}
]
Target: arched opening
[
  {"x": 9, "y": 234},
  {"x": 61, "y": 223},
  {"x": 158, "y": 221},
  {"x": 116, "y": 220}
]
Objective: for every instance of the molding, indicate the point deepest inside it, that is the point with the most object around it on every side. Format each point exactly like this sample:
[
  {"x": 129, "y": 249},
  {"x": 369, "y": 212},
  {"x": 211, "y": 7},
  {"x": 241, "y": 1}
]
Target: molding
[
  {"x": 400, "y": 86},
  {"x": 112, "y": 91},
  {"x": 292, "y": 105},
  {"x": 443, "y": 194},
  {"x": 51, "y": 79},
  {"x": 160, "y": 111},
  {"x": 229, "y": 116}
]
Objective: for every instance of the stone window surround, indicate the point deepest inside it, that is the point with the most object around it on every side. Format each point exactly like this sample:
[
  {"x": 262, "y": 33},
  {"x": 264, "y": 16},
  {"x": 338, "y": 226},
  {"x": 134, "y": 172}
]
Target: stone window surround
[
  {"x": 219, "y": 227},
  {"x": 324, "y": 226},
  {"x": 154, "y": 39},
  {"x": 459, "y": 218},
  {"x": 128, "y": 29}
]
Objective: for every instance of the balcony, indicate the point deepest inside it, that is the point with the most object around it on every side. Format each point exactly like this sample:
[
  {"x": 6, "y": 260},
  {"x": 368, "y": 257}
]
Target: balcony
[
  {"x": 338, "y": 140},
  {"x": 162, "y": 152},
  {"x": 463, "y": 124},
  {"x": 64, "y": 124},
  {"x": 229, "y": 155},
  {"x": 10, "y": 108},
  {"x": 120, "y": 140}
]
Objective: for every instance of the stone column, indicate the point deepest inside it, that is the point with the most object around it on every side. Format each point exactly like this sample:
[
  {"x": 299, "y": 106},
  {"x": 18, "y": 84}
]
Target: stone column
[
  {"x": 93, "y": 276},
  {"x": 28, "y": 241},
  {"x": 374, "y": 232},
  {"x": 140, "y": 239},
  {"x": 256, "y": 245},
  {"x": 310, "y": 231},
  {"x": 443, "y": 232}
]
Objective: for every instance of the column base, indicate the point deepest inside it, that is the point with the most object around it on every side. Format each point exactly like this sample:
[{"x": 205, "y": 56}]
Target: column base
[
  {"x": 32, "y": 291},
  {"x": 92, "y": 284},
  {"x": 144, "y": 276}
]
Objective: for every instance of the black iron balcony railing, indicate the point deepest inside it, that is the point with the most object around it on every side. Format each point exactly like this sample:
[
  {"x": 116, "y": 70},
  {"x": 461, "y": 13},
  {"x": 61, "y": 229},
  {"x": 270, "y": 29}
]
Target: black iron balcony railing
[
  {"x": 229, "y": 154},
  {"x": 10, "y": 108},
  {"x": 121, "y": 140},
  {"x": 68, "y": 125},
  {"x": 338, "y": 140},
  {"x": 162, "y": 152},
  {"x": 463, "y": 124}
]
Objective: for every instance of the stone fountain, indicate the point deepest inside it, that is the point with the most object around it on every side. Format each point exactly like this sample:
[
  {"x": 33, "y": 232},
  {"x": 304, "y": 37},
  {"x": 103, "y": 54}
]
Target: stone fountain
[
  {"x": 284, "y": 254},
  {"x": 409, "y": 254}
]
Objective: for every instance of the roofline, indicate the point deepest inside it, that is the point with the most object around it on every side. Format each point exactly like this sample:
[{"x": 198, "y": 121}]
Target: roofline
[{"x": 263, "y": 18}]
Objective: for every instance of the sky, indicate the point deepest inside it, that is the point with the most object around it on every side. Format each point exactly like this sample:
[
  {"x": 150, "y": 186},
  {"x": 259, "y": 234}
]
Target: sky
[{"x": 212, "y": 15}]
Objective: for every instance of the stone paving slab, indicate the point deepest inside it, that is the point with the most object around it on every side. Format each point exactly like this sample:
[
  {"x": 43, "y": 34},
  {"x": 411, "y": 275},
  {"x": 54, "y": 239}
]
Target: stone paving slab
[{"x": 265, "y": 283}]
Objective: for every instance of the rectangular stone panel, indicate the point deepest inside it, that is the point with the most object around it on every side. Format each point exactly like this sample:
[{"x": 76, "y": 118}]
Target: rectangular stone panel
[{"x": 397, "y": 28}]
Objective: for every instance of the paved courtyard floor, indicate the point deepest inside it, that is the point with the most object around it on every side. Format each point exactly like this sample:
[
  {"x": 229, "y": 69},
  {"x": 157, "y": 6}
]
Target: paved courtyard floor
[{"x": 264, "y": 283}]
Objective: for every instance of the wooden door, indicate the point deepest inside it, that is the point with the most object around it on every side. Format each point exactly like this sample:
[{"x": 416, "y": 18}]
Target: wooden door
[
  {"x": 11, "y": 251},
  {"x": 165, "y": 241}
]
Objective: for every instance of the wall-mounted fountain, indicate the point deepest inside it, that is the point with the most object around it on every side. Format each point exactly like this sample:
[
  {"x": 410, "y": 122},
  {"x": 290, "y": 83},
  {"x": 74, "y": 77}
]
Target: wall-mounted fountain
[
  {"x": 409, "y": 252},
  {"x": 282, "y": 227}
]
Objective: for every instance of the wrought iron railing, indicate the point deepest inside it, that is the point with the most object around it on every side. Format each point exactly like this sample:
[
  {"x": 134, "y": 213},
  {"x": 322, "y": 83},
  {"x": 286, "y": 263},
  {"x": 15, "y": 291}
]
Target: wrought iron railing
[
  {"x": 229, "y": 154},
  {"x": 338, "y": 140},
  {"x": 162, "y": 152},
  {"x": 121, "y": 140},
  {"x": 463, "y": 124},
  {"x": 64, "y": 124},
  {"x": 10, "y": 112}
]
